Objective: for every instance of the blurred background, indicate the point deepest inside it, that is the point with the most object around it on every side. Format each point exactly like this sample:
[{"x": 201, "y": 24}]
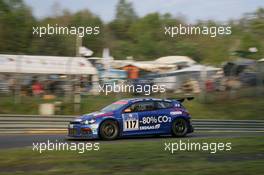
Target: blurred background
[{"x": 61, "y": 74}]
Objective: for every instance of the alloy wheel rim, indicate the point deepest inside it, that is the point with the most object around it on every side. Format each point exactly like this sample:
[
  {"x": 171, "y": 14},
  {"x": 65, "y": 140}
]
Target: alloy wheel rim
[
  {"x": 179, "y": 127},
  {"x": 109, "y": 130}
]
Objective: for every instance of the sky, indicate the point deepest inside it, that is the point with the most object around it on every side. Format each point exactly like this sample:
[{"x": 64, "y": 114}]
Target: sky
[{"x": 192, "y": 10}]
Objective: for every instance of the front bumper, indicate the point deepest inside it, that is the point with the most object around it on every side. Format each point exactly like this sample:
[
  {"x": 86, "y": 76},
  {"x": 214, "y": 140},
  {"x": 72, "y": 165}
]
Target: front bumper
[{"x": 83, "y": 131}]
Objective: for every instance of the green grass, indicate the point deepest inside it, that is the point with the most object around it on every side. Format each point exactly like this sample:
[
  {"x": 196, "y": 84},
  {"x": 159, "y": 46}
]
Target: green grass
[
  {"x": 215, "y": 107},
  {"x": 243, "y": 108},
  {"x": 138, "y": 157}
]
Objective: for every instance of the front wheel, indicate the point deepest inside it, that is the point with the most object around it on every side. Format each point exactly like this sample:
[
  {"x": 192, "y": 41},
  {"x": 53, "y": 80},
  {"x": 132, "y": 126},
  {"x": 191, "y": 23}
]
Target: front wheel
[
  {"x": 179, "y": 127},
  {"x": 109, "y": 130}
]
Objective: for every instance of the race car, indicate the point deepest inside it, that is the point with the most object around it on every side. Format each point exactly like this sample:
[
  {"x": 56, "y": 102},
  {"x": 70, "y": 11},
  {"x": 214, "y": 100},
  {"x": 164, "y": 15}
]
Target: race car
[{"x": 133, "y": 117}]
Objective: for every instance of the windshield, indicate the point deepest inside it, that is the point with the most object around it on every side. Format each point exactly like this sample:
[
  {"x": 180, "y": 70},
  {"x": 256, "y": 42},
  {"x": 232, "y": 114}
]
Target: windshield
[{"x": 114, "y": 106}]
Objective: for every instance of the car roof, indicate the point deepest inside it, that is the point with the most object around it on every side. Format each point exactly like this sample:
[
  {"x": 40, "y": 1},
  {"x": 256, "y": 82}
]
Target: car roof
[{"x": 145, "y": 99}]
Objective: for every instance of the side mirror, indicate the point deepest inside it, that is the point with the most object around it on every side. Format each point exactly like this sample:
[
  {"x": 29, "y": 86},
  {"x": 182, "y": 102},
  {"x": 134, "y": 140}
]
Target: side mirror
[{"x": 127, "y": 110}]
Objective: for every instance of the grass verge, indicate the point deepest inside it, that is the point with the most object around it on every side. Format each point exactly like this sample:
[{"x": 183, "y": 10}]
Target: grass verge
[{"x": 138, "y": 157}]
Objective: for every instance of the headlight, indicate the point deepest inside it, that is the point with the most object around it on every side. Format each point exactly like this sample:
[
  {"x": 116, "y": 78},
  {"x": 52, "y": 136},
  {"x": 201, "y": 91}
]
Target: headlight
[{"x": 91, "y": 121}]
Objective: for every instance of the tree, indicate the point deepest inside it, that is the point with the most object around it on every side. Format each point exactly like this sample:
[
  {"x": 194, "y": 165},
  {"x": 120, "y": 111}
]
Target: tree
[
  {"x": 125, "y": 16},
  {"x": 16, "y": 21},
  {"x": 125, "y": 12}
]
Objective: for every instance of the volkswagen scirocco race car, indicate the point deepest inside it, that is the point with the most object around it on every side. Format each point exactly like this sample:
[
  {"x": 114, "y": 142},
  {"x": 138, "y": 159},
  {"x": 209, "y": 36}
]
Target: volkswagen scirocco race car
[{"x": 134, "y": 117}]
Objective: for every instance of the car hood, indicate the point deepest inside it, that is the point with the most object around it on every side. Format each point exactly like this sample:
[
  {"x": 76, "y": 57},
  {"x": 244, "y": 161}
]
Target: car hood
[{"x": 94, "y": 115}]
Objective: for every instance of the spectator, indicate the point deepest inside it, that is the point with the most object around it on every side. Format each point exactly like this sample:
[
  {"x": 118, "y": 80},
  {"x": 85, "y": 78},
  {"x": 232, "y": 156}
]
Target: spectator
[
  {"x": 37, "y": 88},
  {"x": 209, "y": 85}
]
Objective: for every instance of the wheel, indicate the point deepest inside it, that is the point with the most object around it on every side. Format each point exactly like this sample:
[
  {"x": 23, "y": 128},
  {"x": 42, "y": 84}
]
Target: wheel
[
  {"x": 109, "y": 130},
  {"x": 179, "y": 127}
]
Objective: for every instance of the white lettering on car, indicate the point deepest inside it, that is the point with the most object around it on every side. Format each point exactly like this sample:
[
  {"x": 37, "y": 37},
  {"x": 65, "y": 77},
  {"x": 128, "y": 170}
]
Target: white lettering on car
[
  {"x": 154, "y": 120},
  {"x": 175, "y": 112}
]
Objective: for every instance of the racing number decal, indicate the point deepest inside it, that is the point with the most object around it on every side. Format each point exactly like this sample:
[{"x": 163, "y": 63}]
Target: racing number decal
[{"x": 130, "y": 122}]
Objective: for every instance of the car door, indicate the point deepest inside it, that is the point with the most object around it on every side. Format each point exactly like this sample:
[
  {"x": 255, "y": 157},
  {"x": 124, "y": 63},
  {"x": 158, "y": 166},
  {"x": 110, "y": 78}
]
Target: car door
[
  {"x": 163, "y": 109},
  {"x": 140, "y": 118}
]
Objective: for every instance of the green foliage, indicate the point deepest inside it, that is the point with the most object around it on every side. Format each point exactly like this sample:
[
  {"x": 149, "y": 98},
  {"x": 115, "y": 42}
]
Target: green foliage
[
  {"x": 125, "y": 11},
  {"x": 16, "y": 22},
  {"x": 127, "y": 35}
]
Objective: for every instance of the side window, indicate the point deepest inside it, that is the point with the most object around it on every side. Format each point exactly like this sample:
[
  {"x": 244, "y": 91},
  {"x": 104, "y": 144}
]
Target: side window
[
  {"x": 163, "y": 105},
  {"x": 141, "y": 106}
]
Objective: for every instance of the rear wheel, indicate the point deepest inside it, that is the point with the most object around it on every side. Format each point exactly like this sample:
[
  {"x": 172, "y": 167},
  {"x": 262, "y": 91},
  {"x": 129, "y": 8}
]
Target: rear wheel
[
  {"x": 109, "y": 130},
  {"x": 179, "y": 127}
]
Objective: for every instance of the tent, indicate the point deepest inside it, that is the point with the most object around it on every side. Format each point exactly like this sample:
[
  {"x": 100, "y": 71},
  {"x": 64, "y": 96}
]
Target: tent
[
  {"x": 29, "y": 64},
  {"x": 150, "y": 66},
  {"x": 196, "y": 68},
  {"x": 261, "y": 60},
  {"x": 174, "y": 79},
  {"x": 178, "y": 60},
  {"x": 237, "y": 66}
]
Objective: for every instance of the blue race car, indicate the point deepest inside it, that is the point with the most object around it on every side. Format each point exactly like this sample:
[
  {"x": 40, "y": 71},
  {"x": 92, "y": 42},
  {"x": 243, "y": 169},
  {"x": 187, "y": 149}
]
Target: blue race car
[{"x": 133, "y": 117}]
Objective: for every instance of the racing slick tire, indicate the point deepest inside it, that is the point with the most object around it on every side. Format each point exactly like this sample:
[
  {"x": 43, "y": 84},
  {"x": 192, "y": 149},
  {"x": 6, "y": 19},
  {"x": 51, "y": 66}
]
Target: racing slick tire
[
  {"x": 109, "y": 130},
  {"x": 179, "y": 127}
]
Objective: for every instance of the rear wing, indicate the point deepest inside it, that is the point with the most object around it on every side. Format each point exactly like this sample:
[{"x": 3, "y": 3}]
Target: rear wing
[{"x": 181, "y": 100}]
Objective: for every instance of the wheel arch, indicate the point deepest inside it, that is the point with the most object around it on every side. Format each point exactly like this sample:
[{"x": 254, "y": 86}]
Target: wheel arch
[
  {"x": 180, "y": 117},
  {"x": 109, "y": 119}
]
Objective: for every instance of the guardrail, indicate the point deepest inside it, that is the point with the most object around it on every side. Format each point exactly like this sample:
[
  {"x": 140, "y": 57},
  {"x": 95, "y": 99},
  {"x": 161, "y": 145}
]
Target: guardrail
[{"x": 58, "y": 124}]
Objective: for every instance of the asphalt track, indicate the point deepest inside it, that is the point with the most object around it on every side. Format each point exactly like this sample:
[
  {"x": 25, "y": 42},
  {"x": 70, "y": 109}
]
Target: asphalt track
[{"x": 24, "y": 140}]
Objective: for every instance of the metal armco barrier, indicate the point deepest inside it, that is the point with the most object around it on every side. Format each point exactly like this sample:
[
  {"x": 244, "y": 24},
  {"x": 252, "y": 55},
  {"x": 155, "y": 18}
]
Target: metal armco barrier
[{"x": 58, "y": 123}]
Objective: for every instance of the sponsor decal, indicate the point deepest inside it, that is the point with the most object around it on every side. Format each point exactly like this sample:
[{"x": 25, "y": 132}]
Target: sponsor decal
[
  {"x": 175, "y": 112},
  {"x": 153, "y": 119},
  {"x": 157, "y": 126},
  {"x": 94, "y": 126},
  {"x": 130, "y": 122},
  {"x": 122, "y": 102}
]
